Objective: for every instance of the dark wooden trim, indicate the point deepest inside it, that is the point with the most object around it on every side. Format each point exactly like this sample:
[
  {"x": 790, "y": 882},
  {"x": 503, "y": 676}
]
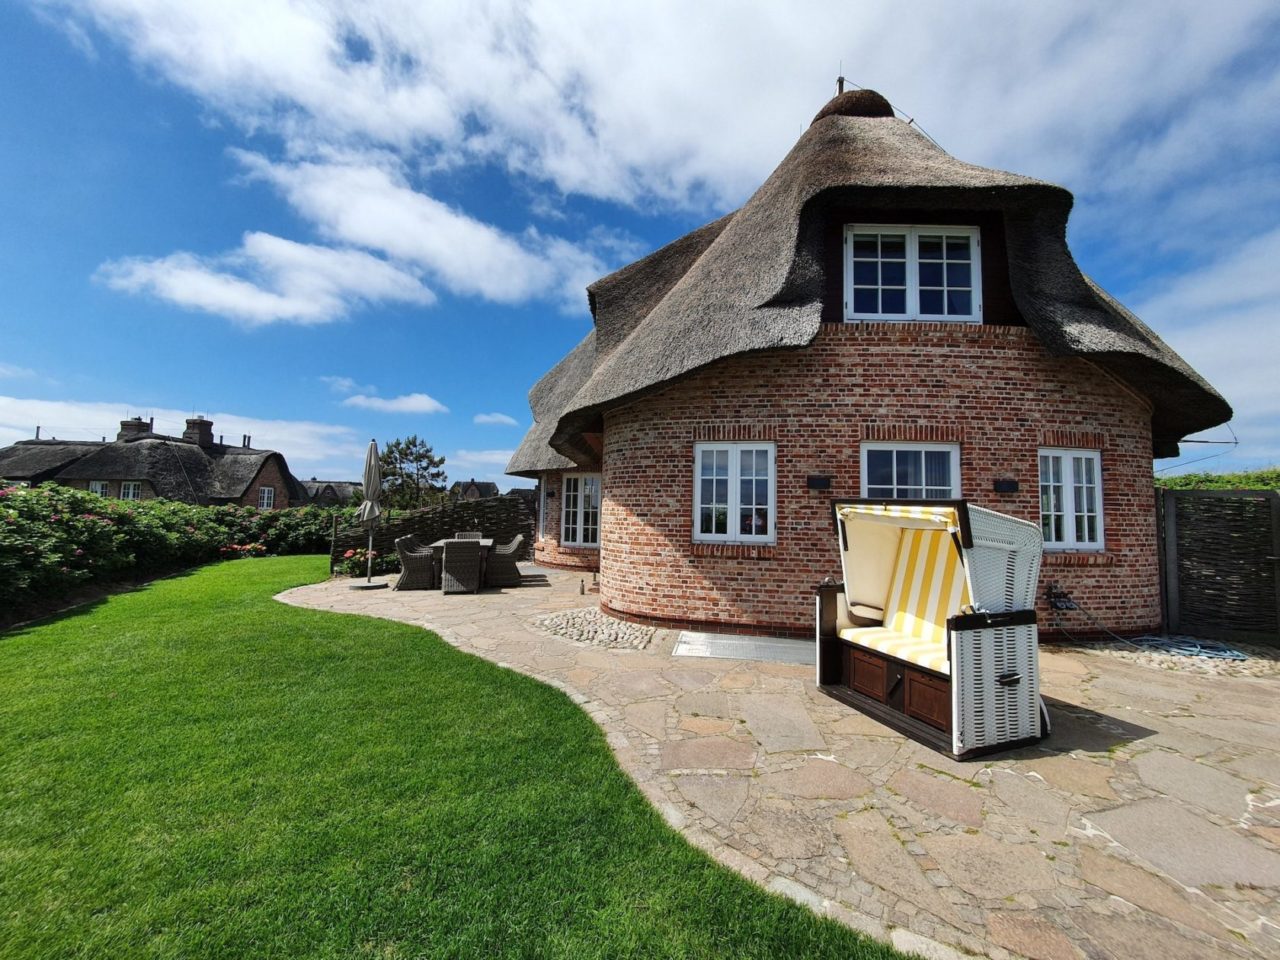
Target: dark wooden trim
[{"x": 989, "y": 621}]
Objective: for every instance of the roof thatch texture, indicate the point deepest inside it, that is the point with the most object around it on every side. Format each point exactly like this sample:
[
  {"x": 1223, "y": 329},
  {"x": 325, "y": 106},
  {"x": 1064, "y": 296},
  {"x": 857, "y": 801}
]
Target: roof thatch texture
[
  {"x": 754, "y": 281},
  {"x": 35, "y": 461},
  {"x": 548, "y": 400},
  {"x": 177, "y": 469}
]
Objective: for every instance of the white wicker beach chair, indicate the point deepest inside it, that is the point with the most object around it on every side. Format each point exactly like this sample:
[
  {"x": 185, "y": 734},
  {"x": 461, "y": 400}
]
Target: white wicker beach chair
[{"x": 933, "y": 630}]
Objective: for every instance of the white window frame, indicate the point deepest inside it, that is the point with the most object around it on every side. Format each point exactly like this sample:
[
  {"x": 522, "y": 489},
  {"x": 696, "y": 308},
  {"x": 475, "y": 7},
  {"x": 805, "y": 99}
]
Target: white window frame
[
  {"x": 100, "y": 487},
  {"x": 732, "y": 535},
  {"x": 130, "y": 489},
  {"x": 266, "y": 498},
  {"x": 578, "y": 525},
  {"x": 1069, "y": 541},
  {"x": 913, "y": 232},
  {"x": 908, "y": 446}
]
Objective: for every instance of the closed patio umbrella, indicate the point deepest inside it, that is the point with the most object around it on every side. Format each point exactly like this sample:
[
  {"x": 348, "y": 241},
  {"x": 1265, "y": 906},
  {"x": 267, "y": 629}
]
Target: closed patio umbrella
[{"x": 370, "y": 509}]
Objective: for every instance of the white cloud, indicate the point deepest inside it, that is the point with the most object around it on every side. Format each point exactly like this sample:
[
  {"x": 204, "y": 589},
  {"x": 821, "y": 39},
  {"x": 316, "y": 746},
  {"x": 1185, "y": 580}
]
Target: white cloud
[
  {"x": 365, "y": 201},
  {"x": 307, "y": 445},
  {"x": 409, "y": 403},
  {"x": 1221, "y": 319},
  {"x": 497, "y": 418},
  {"x": 269, "y": 280},
  {"x": 346, "y": 385},
  {"x": 554, "y": 89},
  {"x": 10, "y": 371}
]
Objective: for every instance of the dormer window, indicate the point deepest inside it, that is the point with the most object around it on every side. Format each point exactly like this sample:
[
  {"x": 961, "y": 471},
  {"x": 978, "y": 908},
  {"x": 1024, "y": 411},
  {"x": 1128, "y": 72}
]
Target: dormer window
[{"x": 912, "y": 273}]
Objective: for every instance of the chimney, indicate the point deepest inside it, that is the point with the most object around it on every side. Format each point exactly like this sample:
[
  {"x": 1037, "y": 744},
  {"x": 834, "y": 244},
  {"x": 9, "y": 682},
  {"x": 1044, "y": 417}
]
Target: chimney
[
  {"x": 200, "y": 431},
  {"x": 219, "y": 439},
  {"x": 133, "y": 427},
  {"x": 37, "y": 431}
]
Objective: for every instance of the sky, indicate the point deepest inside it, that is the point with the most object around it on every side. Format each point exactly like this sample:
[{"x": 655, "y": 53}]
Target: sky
[{"x": 320, "y": 223}]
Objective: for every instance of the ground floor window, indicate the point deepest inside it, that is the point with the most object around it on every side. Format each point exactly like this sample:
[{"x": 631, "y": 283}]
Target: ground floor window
[
  {"x": 266, "y": 498},
  {"x": 131, "y": 490},
  {"x": 734, "y": 492},
  {"x": 911, "y": 471},
  {"x": 1071, "y": 499},
  {"x": 99, "y": 487},
  {"x": 580, "y": 516}
]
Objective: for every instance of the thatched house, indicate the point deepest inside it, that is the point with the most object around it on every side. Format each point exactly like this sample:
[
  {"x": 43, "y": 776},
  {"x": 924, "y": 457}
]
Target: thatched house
[
  {"x": 879, "y": 319},
  {"x": 473, "y": 490},
  {"x": 332, "y": 493},
  {"x": 140, "y": 464}
]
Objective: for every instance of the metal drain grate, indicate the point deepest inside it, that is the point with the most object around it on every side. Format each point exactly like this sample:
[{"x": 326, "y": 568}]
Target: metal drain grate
[{"x": 728, "y": 647}]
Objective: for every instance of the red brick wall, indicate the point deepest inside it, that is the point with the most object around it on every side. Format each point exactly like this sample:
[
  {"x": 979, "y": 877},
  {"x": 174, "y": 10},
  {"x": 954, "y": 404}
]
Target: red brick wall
[
  {"x": 547, "y": 549},
  {"x": 994, "y": 390},
  {"x": 270, "y": 475}
]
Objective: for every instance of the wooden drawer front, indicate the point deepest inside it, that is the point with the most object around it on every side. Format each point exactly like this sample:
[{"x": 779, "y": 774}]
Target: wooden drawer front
[
  {"x": 928, "y": 698},
  {"x": 868, "y": 674}
]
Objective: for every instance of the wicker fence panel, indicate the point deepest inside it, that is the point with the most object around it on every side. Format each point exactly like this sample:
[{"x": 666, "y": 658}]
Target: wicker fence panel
[
  {"x": 1220, "y": 551},
  {"x": 501, "y": 518}
]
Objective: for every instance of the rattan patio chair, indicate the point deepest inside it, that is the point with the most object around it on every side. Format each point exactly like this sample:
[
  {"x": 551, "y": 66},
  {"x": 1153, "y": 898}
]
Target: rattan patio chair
[
  {"x": 461, "y": 570},
  {"x": 468, "y": 535},
  {"x": 418, "y": 568},
  {"x": 502, "y": 569}
]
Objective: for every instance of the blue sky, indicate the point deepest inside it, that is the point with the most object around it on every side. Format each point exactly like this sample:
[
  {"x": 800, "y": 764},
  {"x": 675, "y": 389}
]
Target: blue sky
[{"x": 376, "y": 219}]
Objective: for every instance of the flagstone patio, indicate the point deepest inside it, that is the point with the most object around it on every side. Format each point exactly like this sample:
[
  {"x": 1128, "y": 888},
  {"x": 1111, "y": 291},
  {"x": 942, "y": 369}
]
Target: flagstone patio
[{"x": 1148, "y": 825}]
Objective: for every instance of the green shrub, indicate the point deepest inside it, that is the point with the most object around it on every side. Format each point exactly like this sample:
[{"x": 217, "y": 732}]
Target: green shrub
[{"x": 54, "y": 539}]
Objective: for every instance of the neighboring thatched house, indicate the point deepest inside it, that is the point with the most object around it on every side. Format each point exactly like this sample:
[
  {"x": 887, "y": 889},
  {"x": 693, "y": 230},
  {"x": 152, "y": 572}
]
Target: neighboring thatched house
[
  {"x": 473, "y": 490},
  {"x": 879, "y": 319},
  {"x": 332, "y": 493},
  {"x": 140, "y": 464}
]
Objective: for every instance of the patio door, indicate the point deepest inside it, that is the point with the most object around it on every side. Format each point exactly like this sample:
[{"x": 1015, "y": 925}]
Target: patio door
[{"x": 580, "y": 520}]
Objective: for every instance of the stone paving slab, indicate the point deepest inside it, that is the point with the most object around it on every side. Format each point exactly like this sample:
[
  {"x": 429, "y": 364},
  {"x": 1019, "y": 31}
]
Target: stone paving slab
[
  {"x": 1148, "y": 824},
  {"x": 1188, "y": 847}
]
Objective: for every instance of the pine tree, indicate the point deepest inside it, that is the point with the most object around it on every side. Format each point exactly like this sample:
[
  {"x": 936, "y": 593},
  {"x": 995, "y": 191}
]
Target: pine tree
[{"x": 412, "y": 475}]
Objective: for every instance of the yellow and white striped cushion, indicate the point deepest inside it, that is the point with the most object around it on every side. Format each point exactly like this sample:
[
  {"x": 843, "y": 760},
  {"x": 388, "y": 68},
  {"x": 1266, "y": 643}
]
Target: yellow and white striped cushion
[
  {"x": 924, "y": 653},
  {"x": 927, "y": 587}
]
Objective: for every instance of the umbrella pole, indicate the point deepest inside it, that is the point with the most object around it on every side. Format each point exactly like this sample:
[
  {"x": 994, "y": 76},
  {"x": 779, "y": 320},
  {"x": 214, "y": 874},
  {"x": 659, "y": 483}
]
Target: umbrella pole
[{"x": 369, "y": 556}]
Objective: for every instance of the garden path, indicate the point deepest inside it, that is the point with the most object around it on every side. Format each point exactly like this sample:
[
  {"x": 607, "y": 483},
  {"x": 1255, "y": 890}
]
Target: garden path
[{"x": 1148, "y": 825}]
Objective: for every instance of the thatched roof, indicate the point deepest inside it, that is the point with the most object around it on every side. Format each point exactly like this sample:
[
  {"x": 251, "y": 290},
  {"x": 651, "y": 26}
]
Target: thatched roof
[
  {"x": 332, "y": 491},
  {"x": 178, "y": 469},
  {"x": 754, "y": 280},
  {"x": 35, "y": 461},
  {"x": 548, "y": 400}
]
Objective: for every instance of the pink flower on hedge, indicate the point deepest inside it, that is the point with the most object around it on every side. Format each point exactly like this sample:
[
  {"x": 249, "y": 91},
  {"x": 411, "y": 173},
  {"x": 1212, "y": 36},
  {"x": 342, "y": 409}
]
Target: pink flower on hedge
[
  {"x": 348, "y": 555},
  {"x": 79, "y": 552}
]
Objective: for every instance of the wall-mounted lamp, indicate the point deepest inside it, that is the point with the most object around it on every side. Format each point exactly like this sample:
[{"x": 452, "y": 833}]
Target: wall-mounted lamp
[{"x": 1005, "y": 485}]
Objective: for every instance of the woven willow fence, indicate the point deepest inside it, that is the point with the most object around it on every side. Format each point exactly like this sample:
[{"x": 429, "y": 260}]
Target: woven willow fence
[{"x": 1221, "y": 563}]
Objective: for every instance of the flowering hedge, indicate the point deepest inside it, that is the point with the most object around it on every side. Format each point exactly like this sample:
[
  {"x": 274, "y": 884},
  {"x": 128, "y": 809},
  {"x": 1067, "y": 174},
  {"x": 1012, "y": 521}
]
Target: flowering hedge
[{"x": 54, "y": 539}]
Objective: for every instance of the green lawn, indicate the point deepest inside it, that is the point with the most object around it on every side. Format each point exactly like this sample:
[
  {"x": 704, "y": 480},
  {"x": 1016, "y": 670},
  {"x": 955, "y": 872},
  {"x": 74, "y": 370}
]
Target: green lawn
[{"x": 194, "y": 770}]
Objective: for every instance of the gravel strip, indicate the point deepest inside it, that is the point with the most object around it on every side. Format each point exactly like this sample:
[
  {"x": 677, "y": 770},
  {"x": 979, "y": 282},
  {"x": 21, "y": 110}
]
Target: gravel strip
[
  {"x": 589, "y": 625},
  {"x": 1262, "y": 662}
]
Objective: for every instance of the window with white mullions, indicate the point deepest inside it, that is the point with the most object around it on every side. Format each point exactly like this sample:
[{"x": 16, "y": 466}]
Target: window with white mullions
[
  {"x": 266, "y": 498},
  {"x": 580, "y": 524},
  {"x": 912, "y": 273},
  {"x": 734, "y": 492},
  {"x": 900, "y": 471},
  {"x": 1071, "y": 499}
]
